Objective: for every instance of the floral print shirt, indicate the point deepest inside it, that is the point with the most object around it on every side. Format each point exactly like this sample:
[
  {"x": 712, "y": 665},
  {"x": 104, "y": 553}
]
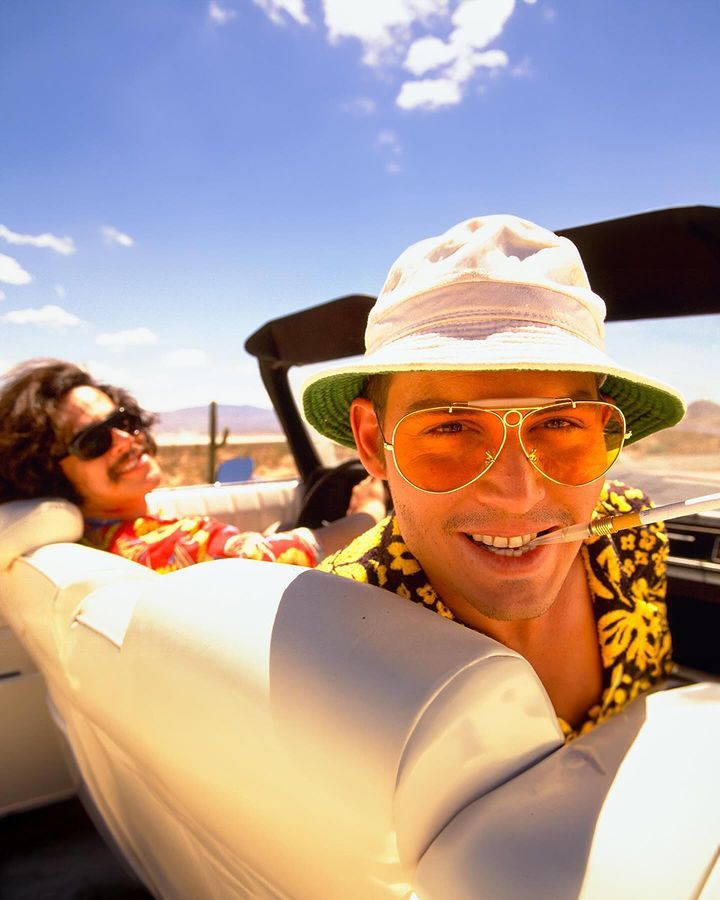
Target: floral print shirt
[
  {"x": 169, "y": 544},
  {"x": 626, "y": 577}
]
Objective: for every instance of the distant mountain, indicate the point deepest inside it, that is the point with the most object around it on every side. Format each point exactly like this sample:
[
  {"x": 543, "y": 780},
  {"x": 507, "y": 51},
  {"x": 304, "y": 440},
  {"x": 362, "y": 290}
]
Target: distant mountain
[
  {"x": 240, "y": 420},
  {"x": 702, "y": 415}
]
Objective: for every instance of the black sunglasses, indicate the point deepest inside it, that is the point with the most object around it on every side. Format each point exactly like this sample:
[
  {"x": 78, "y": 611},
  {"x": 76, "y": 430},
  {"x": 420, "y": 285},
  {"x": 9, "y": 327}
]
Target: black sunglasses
[{"x": 93, "y": 441}]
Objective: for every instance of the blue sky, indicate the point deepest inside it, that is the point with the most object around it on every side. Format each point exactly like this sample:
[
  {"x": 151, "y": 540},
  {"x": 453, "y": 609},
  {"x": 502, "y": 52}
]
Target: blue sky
[{"x": 176, "y": 172}]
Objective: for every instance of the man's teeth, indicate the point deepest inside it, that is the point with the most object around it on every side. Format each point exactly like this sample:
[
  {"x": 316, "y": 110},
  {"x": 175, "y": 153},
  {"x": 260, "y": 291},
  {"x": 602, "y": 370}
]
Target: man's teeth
[
  {"x": 504, "y": 546},
  {"x": 130, "y": 464}
]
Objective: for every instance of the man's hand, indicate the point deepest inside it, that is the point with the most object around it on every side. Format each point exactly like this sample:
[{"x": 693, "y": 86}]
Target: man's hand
[{"x": 368, "y": 496}]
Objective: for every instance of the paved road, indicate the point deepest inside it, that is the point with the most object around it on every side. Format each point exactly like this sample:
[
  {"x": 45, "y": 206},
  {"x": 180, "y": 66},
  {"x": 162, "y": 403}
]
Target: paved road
[{"x": 667, "y": 487}]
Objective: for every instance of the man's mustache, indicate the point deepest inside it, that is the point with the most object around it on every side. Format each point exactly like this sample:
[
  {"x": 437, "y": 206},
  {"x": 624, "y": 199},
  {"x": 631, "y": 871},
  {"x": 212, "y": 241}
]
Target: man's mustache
[{"x": 143, "y": 444}]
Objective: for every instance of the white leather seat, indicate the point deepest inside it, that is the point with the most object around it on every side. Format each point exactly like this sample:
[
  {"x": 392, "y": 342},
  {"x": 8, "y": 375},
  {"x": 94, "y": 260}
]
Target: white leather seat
[
  {"x": 250, "y": 507},
  {"x": 631, "y": 809},
  {"x": 255, "y": 730},
  {"x": 33, "y": 769},
  {"x": 248, "y": 729}
]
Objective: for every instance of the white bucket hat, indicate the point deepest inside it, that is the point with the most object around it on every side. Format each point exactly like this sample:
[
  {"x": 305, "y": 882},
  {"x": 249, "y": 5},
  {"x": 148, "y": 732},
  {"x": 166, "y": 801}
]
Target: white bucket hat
[{"x": 491, "y": 294}]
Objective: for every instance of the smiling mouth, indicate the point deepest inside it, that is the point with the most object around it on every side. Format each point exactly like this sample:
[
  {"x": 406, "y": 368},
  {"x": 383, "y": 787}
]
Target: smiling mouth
[
  {"x": 128, "y": 462},
  {"x": 499, "y": 545}
]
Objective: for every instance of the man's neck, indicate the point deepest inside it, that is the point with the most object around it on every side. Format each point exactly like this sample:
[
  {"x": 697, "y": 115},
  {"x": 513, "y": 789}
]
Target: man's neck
[
  {"x": 562, "y": 647},
  {"x": 531, "y": 636}
]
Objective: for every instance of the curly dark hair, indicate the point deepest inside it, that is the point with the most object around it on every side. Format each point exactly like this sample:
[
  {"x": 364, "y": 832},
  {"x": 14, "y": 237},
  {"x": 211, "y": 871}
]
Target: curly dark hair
[{"x": 31, "y": 445}]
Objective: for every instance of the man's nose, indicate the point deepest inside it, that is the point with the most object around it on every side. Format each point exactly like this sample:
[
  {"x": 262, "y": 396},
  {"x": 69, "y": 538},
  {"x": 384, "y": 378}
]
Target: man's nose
[
  {"x": 122, "y": 438},
  {"x": 512, "y": 481}
]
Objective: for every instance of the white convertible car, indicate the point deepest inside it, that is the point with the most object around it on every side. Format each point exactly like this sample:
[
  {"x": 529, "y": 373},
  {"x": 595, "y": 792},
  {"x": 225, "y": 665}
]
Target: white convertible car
[{"x": 242, "y": 730}]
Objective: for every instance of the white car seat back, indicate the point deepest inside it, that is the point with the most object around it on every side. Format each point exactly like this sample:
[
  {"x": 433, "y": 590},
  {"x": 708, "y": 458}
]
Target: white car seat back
[
  {"x": 254, "y": 506},
  {"x": 254, "y": 729},
  {"x": 33, "y": 768},
  {"x": 26, "y": 525},
  {"x": 287, "y": 729}
]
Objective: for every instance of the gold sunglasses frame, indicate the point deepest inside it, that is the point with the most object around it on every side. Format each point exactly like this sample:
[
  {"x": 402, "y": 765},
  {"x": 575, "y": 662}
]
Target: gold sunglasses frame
[{"x": 522, "y": 412}]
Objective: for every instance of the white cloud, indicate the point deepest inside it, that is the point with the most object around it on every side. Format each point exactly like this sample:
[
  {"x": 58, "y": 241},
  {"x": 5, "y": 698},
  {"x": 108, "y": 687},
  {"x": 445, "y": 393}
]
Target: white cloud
[
  {"x": 449, "y": 40},
  {"x": 117, "y": 341},
  {"x": 50, "y": 316},
  {"x": 219, "y": 14},
  {"x": 389, "y": 146},
  {"x": 360, "y": 106},
  {"x": 274, "y": 10},
  {"x": 186, "y": 358},
  {"x": 389, "y": 139},
  {"x": 60, "y": 291},
  {"x": 523, "y": 69},
  {"x": 11, "y": 272},
  {"x": 65, "y": 245},
  {"x": 383, "y": 27},
  {"x": 468, "y": 63},
  {"x": 479, "y": 22},
  {"x": 427, "y": 53},
  {"x": 113, "y": 236},
  {"x": 432, "y": 93},
  {"x": 491, "y": 59}
]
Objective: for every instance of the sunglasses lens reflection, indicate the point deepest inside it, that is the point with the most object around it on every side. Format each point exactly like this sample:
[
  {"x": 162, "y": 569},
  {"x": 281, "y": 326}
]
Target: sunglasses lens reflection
[
  {"x": 438, "y": 450},
  {"x": 442, "y": 450},
  {"x": 97, "y": 439},
  {"x": 574, "y": 445},
  {"x": 94, "y": 442}
]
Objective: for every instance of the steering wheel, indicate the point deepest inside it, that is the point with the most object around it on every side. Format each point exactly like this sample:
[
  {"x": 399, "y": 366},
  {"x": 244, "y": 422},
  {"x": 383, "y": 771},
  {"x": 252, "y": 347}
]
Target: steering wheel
[{"x": 328, "y": 494}]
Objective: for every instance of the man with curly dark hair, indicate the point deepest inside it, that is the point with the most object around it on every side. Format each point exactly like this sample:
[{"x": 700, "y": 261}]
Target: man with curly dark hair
[
  {"x": 31, "y": 442},
  {"x": 65, "y": 434}
]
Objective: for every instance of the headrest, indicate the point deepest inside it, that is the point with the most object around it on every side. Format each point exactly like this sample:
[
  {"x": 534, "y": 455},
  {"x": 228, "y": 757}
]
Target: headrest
[{"x": 26, "y": 525}]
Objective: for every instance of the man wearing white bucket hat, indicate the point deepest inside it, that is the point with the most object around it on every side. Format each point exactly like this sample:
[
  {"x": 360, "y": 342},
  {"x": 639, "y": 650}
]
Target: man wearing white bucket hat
[{"x": 487, "y": 402}]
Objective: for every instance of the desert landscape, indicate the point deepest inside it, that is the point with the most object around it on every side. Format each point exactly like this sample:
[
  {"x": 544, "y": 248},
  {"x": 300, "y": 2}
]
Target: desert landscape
[{"x": 188, "y": 463}]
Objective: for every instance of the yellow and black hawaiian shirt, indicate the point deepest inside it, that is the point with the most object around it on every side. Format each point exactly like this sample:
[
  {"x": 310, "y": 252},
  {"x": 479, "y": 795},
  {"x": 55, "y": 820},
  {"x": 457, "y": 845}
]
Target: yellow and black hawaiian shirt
[{"x": 626, "y": 577}]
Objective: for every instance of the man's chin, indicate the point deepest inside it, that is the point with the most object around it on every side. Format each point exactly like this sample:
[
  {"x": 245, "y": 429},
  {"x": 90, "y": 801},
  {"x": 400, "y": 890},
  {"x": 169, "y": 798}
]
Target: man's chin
[{"x": 513, "y": 611}]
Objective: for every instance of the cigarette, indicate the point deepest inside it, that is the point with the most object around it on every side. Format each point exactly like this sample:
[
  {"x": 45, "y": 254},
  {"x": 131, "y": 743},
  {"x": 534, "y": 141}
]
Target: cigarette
[{"x": 611, "y": 524}]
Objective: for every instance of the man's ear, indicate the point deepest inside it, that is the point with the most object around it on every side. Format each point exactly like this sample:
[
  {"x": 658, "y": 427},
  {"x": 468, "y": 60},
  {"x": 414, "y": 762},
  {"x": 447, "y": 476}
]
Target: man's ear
[{"x": 368, "y": 438}]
